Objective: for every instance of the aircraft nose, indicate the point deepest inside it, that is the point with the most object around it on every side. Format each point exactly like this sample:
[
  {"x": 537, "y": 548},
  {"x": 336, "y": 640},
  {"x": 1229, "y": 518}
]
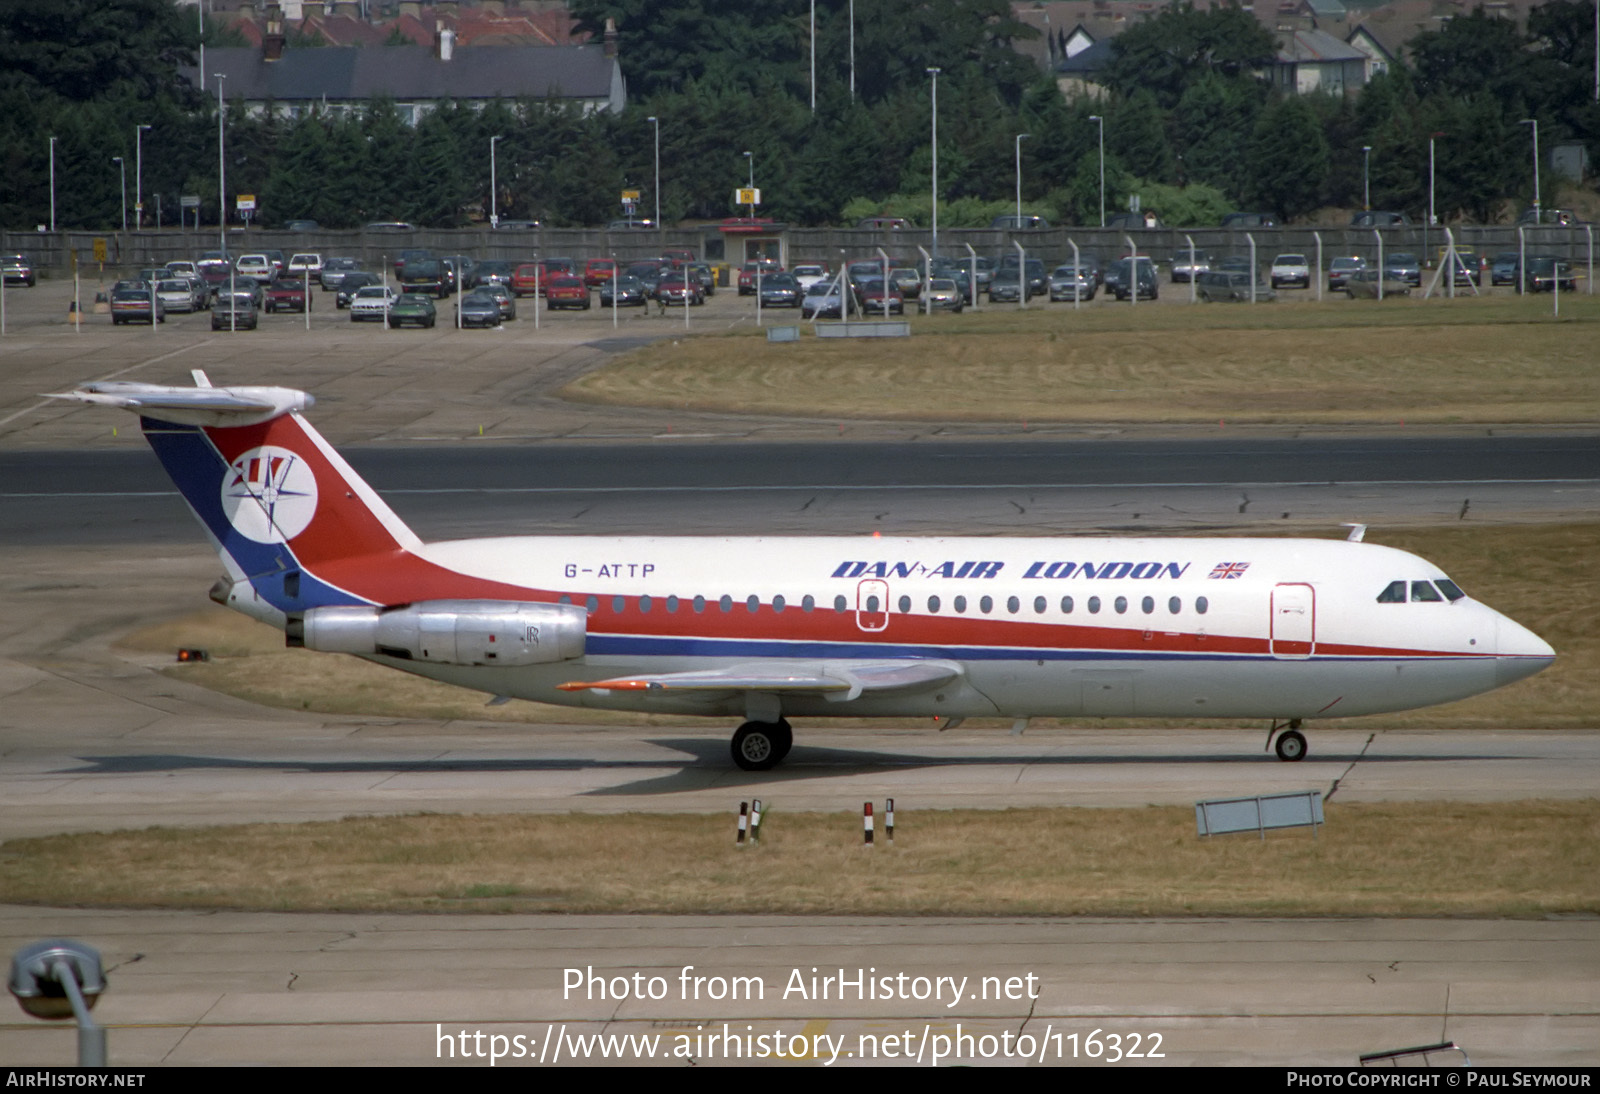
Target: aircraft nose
[{"x": 1519, "y": 653}]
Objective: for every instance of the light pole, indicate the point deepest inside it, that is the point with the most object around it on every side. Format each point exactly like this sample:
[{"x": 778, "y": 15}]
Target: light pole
[
  {"x": 655, "y": 124},
  {"x": 750, "y": 159},
  {"x": 1366, "y": 176},
  {"x": 1538, "y": 213},
  {"x": 1101, "y": 122},
  {"x": 1433, "y": 215},
  {"x": 934, "y": 72},
  {"x": 494, "y": 189},
  {"x": 123, "y": 168},
  {"x": 853, "y": 67},
  {"x": 138, "y": 176},
  {"x": 222, "y": 175},
  {"x": 52, "y": 184},
  {"x": 813, "y": 56},
  {"x": 1020, "y": 138}
]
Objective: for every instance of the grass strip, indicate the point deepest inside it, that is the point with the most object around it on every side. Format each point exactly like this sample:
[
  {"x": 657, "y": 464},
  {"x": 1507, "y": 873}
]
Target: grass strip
[{"x": 1521, "y": 859}]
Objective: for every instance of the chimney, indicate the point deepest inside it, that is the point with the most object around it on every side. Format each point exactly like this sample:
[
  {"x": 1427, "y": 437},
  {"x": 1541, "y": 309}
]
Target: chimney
[
  {"x": 247, "y": 12},
  {"x": 272, "y": 41},
  {"x": 346, "y": 9},
  {"x": 447, "y": 44},
  {"x": 412, "y": 8},
  {"x": 311, "y": 9},
  {"x": 446, "y": 10},
  {"x": 611, "y": 37}
]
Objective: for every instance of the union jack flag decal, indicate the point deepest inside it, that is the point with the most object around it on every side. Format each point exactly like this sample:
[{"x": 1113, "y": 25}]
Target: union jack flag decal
[{"x": 1228, "y": 570}]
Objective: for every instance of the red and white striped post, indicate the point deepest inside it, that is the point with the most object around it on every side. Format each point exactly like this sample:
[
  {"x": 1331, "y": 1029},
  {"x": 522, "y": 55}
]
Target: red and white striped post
[{"x": 866, "y": 825}]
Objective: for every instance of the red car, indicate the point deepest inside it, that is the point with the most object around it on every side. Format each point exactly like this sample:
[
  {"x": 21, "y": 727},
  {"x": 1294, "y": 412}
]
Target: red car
[
  {"x": 528, "y": 279},
  {"x": 566, "y": 291},
  {"x": 747, "y": 276},
  {"x": 598, "y": 271},
  {"x": 286, "y": 296}
]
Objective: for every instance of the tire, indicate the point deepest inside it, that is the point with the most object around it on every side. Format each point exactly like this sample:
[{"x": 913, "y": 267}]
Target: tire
[
  {"x": 759, "y": 746},
  {"x": 1291, "y": 746}
]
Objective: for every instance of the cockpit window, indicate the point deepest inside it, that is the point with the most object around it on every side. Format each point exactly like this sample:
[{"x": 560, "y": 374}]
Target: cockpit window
[
  {"x": 1393, "y": 593},
  {"x": 1450, "y": 589},
  {"x": 1424, "y": 590}
]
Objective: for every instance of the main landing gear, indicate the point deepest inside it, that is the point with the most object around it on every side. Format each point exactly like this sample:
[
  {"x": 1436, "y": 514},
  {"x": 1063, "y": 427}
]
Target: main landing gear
[
  {"x": 1291, "y": 747},
  {"x": 760, "y": 746}
]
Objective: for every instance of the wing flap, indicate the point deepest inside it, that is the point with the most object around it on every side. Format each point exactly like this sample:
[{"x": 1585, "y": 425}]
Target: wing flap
[{"x": 840, "y": 680}]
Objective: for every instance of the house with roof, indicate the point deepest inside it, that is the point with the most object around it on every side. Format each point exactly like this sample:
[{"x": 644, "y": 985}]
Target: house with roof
[{"x": 1311, "y": 60}]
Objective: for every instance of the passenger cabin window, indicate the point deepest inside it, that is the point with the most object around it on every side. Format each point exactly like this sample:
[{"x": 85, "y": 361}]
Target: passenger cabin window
[
  {"x": 1393, "y": 593},
  {"x": 725, "y": 603},
  {"x": 838, "y": 603},
  {"x": 933, "y": 605},
  {"x": 808, "y": 603},
  {"x": 1422, "y": 590}
]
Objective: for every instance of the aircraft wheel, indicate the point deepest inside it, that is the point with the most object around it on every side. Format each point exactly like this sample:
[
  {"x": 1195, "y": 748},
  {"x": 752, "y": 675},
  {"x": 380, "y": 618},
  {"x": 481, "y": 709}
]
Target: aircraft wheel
[
  {"x": 758, "y": 746},
  {"x": 1291, "y": 747}
]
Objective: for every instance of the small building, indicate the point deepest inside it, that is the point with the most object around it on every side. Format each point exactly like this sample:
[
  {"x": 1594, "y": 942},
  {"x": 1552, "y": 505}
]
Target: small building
[{"x": 1310, "y": 61}]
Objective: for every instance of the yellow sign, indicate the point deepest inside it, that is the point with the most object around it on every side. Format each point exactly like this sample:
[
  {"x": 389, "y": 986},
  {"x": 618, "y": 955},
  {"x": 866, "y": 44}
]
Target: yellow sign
[
  {"x": 748, "y": 195},
  {"x": 100, "y": 249},
  {"x": 630, "y": 197},
  {"x": 245, "y": 202}
]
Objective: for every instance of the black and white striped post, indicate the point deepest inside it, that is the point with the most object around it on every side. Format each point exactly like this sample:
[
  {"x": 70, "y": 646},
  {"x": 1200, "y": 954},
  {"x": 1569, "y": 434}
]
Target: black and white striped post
[
  {"x": 755, "y": 821},
  {"x": 744, "y": 824},
  {"x": 888, "y": 820}
]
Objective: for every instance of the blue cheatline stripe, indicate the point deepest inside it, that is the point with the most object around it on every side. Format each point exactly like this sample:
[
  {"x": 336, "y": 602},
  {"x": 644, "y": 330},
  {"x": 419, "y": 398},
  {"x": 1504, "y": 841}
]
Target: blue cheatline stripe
[
  {"x": 669, "y": 646},
  {"x": 198, "y": 470}
]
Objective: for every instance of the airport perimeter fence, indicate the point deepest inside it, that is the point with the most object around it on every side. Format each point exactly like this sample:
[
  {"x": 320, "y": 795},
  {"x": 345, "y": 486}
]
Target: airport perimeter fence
[{"x": 52, "y": 252}]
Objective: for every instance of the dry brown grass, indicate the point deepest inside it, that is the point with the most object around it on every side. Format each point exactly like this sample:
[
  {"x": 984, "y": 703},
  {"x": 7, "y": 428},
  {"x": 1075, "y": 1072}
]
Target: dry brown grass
[
  {"x": 1544, "y": 576},
  {"x": 1352, "y": 362},
  {"x": 1517, "y": 859}
]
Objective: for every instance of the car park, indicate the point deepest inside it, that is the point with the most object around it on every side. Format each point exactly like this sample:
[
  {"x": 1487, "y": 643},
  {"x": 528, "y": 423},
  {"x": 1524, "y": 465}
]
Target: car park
[
  {"x": 372, "y": 302},
  {"x": 412, "y": 307},
  {"x": 623, "y": 292},
  {"x": 1071, "y": 282},
  {"x": 1230, "y": 286},
  {"x": 566, "y": 291},
  {"x": 1341, "y": 269},
  {"x": 234, "y": 313},
  {"x": 477, "y": 308},
  {"x": 1290, "y": 269}
]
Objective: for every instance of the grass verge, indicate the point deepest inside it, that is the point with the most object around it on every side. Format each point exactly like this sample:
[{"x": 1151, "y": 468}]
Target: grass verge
[
  {"x": 1500, "y": 359},
  {"x": 1519, "y": 859}
]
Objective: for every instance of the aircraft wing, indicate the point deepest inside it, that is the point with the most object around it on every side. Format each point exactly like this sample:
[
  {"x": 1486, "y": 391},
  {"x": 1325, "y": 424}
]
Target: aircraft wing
[{"x": 836, "y": 679}]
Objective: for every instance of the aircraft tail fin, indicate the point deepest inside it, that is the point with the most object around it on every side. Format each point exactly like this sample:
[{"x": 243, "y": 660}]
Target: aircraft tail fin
[{"x": 284, "y": 510}]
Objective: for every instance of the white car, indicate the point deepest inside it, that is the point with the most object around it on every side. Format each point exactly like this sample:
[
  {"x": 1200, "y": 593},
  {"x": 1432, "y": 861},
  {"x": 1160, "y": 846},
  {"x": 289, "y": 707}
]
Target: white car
[
  {"x": 809, "y": 275},
  {"x": 1291, "y": 270},
  {"x": 302, "y": 266},
  {"x": 259, "y": 267},
  {"x": 372, "y": 302}
]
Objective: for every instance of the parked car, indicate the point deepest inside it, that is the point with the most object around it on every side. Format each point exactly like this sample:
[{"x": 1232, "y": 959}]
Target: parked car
[
  {"x": 747, "y": 275},
  {"x": 1249, "y": 220},
  {"x": 623, "y": 292},
  {"x": 288, "y": 295},
  {"x": 372, "y": 302},
  {"x": 1121, "y": 284},
  {"x": 477, "y": 308},
  {"x": 410, "y": 254},
  {"x": 390, "y": 226},
  {"x": 943, "y": 295},
  {"x": 597, "y": 271},
  {"x": 425, "y": 275},
  {"x": 459, "y": 271},
  {"x": 566, "y": 291},
  {"x": 504, "y": 225},
  {"x": 1341, "y": 269},
  {"x": 781, "y": 291},
  {"x": 17, "y": 269},
  {"x": 493, "y": 271},
  {"x": 876, "y": 299},
  {"x": 1375, "y": 218},
  {"x": 503, "y": 298},
  {"x": 703, "y": 273},
  {"x": 631, "y": 225},
  {"x": 135, "y": 305},
  {"x": 305, "y": 265},
  {"x": 1365, "y": 283},
  {"x": 1186, "y": 265},
  {"x": 180, "y": 294},
  {"x": 351, "y": 284},
  {"x": 1546, "y": 273},
  {"x": 1230, "y": 286},
  {"x": 333, "y": 271},
  {"x": 1013, "y": 223},
  {"x": 1503, "y": 267},
  {"x": 1071, "y": 282},
  {"x": 258, "y": 266},
  {"x": 301, "y": 226},
  {"x": 823, "y": 301},
  {"x": 1290, "y": 269},
  {"x": 1466, "y": 268},
  {"x": 1403, "y": 266},
  {"x": 412, "y": 307},
  {"x": 680, "y": 288},
  {"x": 809, "y": 273},
  {"x": 234, "y": 313},
  {"x": 883, "y": 224},
  {"x": 528, "y": 279}
]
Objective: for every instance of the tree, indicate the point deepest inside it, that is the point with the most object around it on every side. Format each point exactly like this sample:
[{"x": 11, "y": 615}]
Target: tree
[
  {"x": 94, "y": 49},
  {"x": 1166, "y": 54},
  {"x": 1288, "y": 158},
  {"x": 1215, "y": 118}
]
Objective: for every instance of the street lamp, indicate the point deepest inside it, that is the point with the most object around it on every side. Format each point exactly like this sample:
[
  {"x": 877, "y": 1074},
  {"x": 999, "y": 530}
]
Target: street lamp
[
  {"x": 138, "y": 176},
  {"x": 123, "y": 167},
  {"x": 494, "y": 189},
  {"x": 1366, "y": 176},
  {"x": 1538, "y": 215},
  {"x": 1020, "y": 138},
  {"x": 222, "y": 174},
  {"x": 656, "y": 125},
  {"x": 52, "y": 184},
  {"x": 750, "y": 159},
  {"x": 1433, "y": 216},
  {"x": 1101, "y": 122},
  {"x": 934, "y": 174},
  {"x": 813, "y": 56}
]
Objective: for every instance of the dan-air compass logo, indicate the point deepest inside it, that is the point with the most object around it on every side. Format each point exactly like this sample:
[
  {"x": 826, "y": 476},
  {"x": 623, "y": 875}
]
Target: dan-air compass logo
[{"x": 269, "y": 494}]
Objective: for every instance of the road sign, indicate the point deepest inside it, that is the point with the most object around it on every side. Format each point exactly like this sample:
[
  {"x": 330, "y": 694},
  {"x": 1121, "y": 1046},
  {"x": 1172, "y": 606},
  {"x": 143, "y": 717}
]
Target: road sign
[
  {"x": 747, "y": 195},
  {"x": 630, "y": 197},
  {"x": 245, "y": 203},
  {"x": 189, "y": 201},
  {"x": 100, "y": 249}
]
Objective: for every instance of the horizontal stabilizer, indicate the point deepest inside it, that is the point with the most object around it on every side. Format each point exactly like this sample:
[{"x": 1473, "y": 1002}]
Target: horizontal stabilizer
[
  {"x": 844, "y": 680},
  {"x": 204, "y": 406}
]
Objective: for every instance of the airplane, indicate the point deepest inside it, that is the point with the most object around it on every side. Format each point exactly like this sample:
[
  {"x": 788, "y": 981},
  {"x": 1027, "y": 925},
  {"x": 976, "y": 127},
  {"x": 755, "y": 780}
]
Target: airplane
[{"x": 812, "y": 627}]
